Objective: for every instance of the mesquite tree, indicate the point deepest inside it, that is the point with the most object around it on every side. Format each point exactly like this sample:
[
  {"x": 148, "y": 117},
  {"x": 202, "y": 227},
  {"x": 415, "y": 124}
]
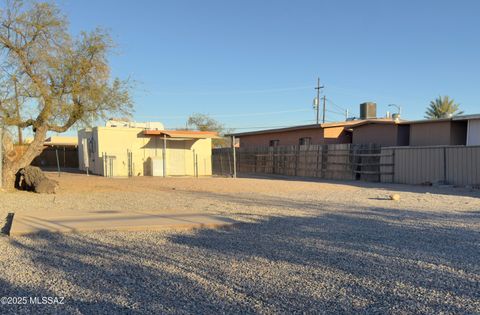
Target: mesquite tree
[{"x": 62, "y": 80}]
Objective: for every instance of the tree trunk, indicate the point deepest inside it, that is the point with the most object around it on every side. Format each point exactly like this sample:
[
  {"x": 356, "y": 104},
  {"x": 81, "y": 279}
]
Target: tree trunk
[{"x": 14, "y": 161}]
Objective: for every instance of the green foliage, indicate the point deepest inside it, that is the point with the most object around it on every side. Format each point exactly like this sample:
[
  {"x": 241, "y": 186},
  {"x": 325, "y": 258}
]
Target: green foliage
[
  {"x": 204, "y": 122},
  {"x": 62, "y": 80},
  {"x": 442, "y": 107}
]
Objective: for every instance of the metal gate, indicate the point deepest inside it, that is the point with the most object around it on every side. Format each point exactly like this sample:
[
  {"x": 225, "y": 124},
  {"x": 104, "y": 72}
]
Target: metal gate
[{"x": 108, "y": 165}]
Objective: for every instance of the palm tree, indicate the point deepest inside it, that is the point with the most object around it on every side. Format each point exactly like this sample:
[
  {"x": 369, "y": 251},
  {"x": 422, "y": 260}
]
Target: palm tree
[{"x": 442, "y": 107}]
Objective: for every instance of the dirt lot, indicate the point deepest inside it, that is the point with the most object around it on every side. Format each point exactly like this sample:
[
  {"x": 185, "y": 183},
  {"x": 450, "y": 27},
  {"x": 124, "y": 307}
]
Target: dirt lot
[{"x": 300, "y": 246}]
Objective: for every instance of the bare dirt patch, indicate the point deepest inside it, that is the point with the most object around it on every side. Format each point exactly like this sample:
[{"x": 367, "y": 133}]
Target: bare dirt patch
[{"x": 300, "y": 246}]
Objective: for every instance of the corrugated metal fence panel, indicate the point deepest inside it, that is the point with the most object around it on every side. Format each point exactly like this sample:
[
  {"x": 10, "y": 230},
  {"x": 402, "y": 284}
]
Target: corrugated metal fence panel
[
  {"x": 419, "y": 165},
  {"x": 463, "y": 165},
  {"x": 456, "y": 165}
]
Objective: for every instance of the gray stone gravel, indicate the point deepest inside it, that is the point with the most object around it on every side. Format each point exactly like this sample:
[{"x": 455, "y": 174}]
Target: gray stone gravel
[{"x": 324, "y": 248}]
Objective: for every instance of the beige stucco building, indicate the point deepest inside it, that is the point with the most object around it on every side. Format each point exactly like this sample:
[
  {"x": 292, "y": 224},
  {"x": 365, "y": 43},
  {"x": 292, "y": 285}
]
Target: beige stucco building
[{"x": 121, "y": 151}]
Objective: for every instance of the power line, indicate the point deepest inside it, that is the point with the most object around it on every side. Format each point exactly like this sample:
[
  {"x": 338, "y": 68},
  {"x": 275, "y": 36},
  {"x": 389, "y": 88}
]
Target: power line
[
  {"x": 339, "y": 107},
  {"x": 256, "y": 127},
  {"x": 285, "y": 89},
  {"x": 334, "y": 112},
  {"x": 261, "y": 127},
  {"x": 232, "y": 115}
]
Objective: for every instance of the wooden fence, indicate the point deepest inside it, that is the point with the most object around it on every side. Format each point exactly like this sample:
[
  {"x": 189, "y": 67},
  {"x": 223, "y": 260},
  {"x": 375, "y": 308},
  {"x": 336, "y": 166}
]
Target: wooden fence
[
  {"x": 335, "y": 161},
  {"x": 454, "y": 165}
]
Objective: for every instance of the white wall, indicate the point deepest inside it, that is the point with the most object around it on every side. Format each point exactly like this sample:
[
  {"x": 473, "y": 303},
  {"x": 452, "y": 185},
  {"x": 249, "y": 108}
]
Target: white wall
[{"x": 473, "y": 134}]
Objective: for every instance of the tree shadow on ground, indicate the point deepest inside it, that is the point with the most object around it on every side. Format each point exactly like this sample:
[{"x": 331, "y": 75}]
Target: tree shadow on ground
[
  {"x": 391, "y": 265},
  {"x": 98, "y": 277},
  {"x": 374, "y": 261},
  {"x": 316, "y": 206},
  {"x": 447, "y": 190}
]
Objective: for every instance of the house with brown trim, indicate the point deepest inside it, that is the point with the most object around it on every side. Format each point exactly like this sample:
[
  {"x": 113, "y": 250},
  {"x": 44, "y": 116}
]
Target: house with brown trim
[
  {"x": 459, "y": 130},
  {"x": 350, "y": 131},
  {"x": 447, "y": 131},
  {"x": 473, "y": 128},
  {"x": 383, "y": 132},
  {"x": 296, "y": 135}
]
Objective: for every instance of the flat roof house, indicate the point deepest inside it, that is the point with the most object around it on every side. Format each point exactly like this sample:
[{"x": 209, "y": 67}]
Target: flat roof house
[
  {"x": 295, "y": 135},
  {"x": 438, "y": 132},
  {"x": 383, "y": 132},
  {"x": 139, "y": 150},
  {"x": 368, "y": 129},
  {"x": 473, "y": 128}
]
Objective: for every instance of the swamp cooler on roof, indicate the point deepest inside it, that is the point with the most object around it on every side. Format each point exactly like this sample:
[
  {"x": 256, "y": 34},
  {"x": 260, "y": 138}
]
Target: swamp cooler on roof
[{"x": 368, "y": 110}]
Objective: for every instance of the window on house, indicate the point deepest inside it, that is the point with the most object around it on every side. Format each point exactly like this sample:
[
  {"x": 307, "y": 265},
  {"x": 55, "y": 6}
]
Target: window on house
[
  {"x": 305, "y": 141},
  {"x": 274, "y": 143}
]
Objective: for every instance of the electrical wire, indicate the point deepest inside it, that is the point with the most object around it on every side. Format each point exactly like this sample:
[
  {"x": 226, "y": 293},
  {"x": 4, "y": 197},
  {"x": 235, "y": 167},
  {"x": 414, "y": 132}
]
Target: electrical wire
[
  {"x": 334, "y": 112},
  {"x": 332, "y": 103},
  {"x": 232, "y": 115},
  {"x": 286, "y": 89}
]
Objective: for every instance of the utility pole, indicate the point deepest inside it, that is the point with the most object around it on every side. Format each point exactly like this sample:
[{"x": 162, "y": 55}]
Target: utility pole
[
  {"x": 324, "y": 108},
  {"x": 316, "y": 103},
  {"x": 346, "y": 114}
]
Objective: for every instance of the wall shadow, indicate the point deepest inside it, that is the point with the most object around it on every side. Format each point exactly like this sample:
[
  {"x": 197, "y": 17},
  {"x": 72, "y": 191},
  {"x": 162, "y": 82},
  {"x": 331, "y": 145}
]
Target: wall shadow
[
  {"x": 392, "y": 265},
  {"x": 134, "y": 278},
  {"x": 453, "y": 191},
  {"x": 322, "y": 263}
]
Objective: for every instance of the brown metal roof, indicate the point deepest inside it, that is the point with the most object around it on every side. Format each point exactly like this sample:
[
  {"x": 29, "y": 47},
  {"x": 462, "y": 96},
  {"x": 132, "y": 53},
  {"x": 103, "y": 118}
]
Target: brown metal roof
[
  {"x": 186, "y": 134},
  {"x": 349, "y": 123}
]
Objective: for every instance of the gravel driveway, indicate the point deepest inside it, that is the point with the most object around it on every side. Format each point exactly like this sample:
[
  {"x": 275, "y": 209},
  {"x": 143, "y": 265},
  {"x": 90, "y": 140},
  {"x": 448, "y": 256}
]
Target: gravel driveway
[{"x": 298, "y": 247}]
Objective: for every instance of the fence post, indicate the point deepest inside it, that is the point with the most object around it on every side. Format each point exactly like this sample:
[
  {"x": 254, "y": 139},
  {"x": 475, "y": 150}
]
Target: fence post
[
  {"x": 324, "y": 160},
  {"x": 229, "y": 163},
  {"x": 393, "y": 165},
  {"x": 58, "y": 161},
  {"x": 164, "y": 155},
  {"x": 444, "y": 165},
  {"x": 221, "y": 163},
  {"x": 234, "y": 158},
  {"x": 297, "y": 153}
]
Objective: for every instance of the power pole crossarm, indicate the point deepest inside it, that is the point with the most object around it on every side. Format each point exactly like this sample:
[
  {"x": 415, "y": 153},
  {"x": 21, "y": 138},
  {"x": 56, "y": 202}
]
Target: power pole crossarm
[{"x": 317, "y": 101}]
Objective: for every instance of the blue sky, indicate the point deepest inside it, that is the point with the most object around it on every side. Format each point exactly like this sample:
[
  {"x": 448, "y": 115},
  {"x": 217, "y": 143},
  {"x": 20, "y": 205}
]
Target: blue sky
[{"x": 254, "y": 64}]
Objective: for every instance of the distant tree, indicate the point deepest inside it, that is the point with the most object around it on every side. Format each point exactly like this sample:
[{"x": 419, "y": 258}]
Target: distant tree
[
  {"x": 442, "y": 107},
  {"x": 63, "y": 81},
  {"x": 204, "y": 122}
]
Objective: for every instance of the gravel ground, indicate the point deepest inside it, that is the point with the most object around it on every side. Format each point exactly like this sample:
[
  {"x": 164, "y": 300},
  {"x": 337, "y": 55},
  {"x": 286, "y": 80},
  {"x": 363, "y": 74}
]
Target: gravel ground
[{"x": 299, "y": 246}]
